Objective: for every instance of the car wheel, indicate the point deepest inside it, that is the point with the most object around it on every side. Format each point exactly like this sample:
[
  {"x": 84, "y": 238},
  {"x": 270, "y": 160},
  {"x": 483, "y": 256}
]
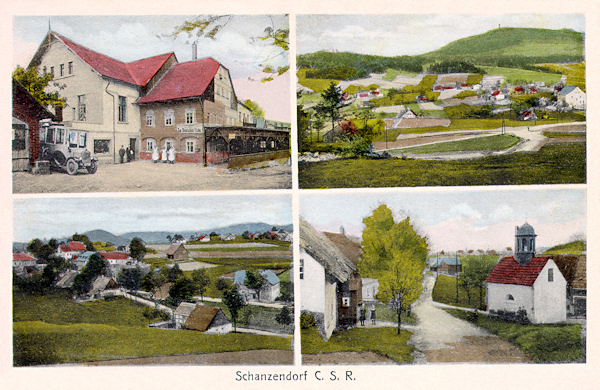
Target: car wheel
[
  {"x": 72, "y": 167},
  {"x": 93, "y": 167}
]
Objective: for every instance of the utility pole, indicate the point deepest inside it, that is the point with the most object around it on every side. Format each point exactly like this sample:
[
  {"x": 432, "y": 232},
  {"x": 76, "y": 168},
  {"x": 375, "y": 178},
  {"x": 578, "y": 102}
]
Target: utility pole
[{"x": 456, "y": 272}]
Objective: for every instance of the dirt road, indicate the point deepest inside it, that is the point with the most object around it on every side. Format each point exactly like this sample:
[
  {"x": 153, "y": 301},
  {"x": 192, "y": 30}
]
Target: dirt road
[{"x": 146, "y": 176}]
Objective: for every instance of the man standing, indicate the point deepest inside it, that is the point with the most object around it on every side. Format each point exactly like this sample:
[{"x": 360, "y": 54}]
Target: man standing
[{"x": 122, "y": 154}]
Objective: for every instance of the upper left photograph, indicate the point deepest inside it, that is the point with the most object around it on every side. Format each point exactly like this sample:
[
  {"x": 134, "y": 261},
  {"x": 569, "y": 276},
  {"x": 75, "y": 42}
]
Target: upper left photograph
[{"x": 153, "y": 103}]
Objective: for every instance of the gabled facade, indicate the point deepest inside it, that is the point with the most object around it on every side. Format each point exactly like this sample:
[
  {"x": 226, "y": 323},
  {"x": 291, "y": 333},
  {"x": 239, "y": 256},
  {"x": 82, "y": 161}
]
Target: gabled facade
[
  {"x": 177, "y": 252},
  {"x": 207, "y": 319},
  {"x": 70, "y": 250},
  {"x": 573, "y": 97},
  {"x": 268, "y": 292},
  {"x": 21, "y": 261},
  {"x": 100, "y": 91}
]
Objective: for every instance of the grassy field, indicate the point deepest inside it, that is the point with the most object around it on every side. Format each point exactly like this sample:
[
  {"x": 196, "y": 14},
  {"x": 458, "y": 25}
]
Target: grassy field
[
  {"x": 156, "y": 262},
  {"x": 553, "y": 164},
  {"x": 545, "y": 343},
  {"x": 384, "y": 341},
  {"x": 493, "y": 142},
  {"x": 575, "y": 73},
  {"x": 384, "y": 313},
  {"x": 522, "y": 76},
  {"x": 444, "y": 291},
  {"x": 391, "y": 74},
  {"x": 317, "y": 85},
  {"x": 53, "y": 329},
  {"x": 552, "y": 134},
  {"x": 243, "y": 249},
  {"x": 571, "y": 248}
]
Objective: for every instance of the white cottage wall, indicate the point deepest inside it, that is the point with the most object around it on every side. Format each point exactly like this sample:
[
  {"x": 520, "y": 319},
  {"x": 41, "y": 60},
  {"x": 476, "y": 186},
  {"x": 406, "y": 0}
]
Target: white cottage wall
[{"x": 550, "y": 297}]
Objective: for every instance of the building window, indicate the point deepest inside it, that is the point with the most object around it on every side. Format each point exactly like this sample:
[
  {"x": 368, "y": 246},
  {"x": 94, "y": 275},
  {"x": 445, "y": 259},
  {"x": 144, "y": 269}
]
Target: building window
[
  {"x": 301, "y": 273},
  {"x": 169, "y": 114},
  {"x": 101, "y": 146},
  {"x": 81, "y": 108},
  {"x": 190, "y": 146},
  {"x": 509, "y": 297},
  {"x": 190, "y": 116},
  {"x": 62, "y": 70},
  {"x": 550, "y": 274},
  {"x": 122, "y": 109},
  {"x": 70, "y": 69},
  {"x": 150, "y": 118},
  {"x": 45, "y": 70},
  {"x": 52, "y": 70},
  {"x": 169, "y": 144},
  {"x": 150, "y": 144}
]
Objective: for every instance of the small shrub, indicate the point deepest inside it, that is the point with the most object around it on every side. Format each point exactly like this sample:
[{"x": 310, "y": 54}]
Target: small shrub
[
  {"x": 307, "y": 321},
  {"x": 285, "y": 316}
]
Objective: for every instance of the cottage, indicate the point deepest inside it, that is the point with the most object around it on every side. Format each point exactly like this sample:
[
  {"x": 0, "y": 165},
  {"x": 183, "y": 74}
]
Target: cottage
[
  {"x": 227, "y": 237},
  {"x": 323, "y": 271},
  {"x": 22, "y": 260},
  {"x": 572, "y": 96},
  {"x": 177, "y": 252},
  {"x": 103, "y": 286},
  {"x": 268, "y": 292},
  {"x": 525, "y": 285},
  {"x": 70, "y": 250},
  {"x": 162, "y": 292},
  {"x": 449, "y": 265},
  {"x": 182, "y": 313},
  {"x": 210, "y": 320},
  {"x": 117, "y": 258},
  {"x": 79, "y": 261}
]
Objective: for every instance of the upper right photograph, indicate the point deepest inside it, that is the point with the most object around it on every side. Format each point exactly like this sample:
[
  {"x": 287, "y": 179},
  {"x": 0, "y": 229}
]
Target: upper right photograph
[{"x": 440, "y": 100}]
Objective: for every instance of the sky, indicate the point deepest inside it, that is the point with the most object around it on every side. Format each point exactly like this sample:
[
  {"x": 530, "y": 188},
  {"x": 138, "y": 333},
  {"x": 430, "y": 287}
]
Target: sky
[
  {"x": 135, "y": 37},
  {"x": 62, "y": 217},
  {"x": 393, "y": 35},
  {"x": 457, "y": 219}
]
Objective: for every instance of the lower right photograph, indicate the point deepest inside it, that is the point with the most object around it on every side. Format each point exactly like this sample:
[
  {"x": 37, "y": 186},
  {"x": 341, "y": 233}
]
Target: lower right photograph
[{"x": 426, "y": 277}]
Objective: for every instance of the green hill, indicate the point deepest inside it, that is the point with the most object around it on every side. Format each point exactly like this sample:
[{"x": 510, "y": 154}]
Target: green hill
[
  {"x": 571, "y": 248},
  {"x": 504, "y": 47}
]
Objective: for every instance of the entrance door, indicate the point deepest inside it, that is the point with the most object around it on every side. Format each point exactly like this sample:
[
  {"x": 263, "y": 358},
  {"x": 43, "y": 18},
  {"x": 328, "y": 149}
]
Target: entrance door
[
  {"x": 132, "y": 142},
  {"x": 20, "y": 145}
]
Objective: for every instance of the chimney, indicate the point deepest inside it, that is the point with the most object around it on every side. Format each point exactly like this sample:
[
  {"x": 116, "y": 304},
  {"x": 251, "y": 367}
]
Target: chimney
[{"x": 194, "y": 51}]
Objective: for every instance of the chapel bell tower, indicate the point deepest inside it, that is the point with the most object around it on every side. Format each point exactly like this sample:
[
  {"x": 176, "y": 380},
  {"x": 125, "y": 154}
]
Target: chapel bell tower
[{"x": 524, "y": 243}]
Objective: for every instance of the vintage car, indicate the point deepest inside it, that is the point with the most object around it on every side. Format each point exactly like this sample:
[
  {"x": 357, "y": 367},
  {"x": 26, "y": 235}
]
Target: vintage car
[{"x": 65, "y": 148}]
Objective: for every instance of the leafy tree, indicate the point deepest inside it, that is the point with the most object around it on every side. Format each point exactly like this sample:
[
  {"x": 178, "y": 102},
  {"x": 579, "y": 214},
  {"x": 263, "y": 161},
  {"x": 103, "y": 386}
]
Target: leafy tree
[
  {"x": 234, "y": 303},
  {"x": 54, "y": 266},
  {"x": 40, "y": 250},
  {"x": 475, "y": 270},
  {"x": 286, "y": 292},
  {"x": 172, "y": 274},
  {"x": 222, "y": 284},
  {"x": 393, "y": 253},
  {"x": 246, "y": 235},
  {"x": 257, "y": 110},
  {"x": 137, "y": 249},
  {"x": 202, "y": 280},
  {"x": 130, "y": 278},
  {"x": 254, "y": 280},
  {"x": 177, "y": 237},
  {"x": 36, "y": 85},
  {"x": 183, "y": 289},
  {"x": 285, "y": 316},
  {"x": 169, "y": 237},
  {"x": 331, "y": 103},
  {"x": 303, "y": 118},
  {"x": 89, "y": 245},
  {"x": 95, "y": 266}
]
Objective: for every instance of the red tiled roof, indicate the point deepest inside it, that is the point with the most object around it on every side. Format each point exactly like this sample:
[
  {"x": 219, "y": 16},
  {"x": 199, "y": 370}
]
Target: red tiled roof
[
  {"x": 77, "y": 246},
  {"x": 183, "y": 80},
  {"x": 65, "y": 248},
  {"x": 137, "y": 72},
  {"x": 22, "y": 257},
  {"x": 509, "y": 271},
  {"x": 495, "y": 93},
  {"x": 114, "y": 255}
]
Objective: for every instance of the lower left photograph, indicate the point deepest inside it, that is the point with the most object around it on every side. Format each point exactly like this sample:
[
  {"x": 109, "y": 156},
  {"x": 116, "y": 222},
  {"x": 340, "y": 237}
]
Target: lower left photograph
[{"x": 173, "y": 280}]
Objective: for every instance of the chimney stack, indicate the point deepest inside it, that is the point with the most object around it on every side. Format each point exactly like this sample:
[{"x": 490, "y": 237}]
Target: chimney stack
[{"x": 194, "y": 51}]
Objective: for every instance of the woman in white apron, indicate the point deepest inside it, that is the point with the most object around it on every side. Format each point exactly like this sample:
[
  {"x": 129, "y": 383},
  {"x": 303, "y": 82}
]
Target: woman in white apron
[
  {"x": 171, "y": 155},
  {"x": 155, "y": 155},
  {"x": 163, "y": 154}
]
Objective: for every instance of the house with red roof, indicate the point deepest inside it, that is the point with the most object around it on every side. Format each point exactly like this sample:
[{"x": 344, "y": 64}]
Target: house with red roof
[
  {"x": 100, "y": 91},
  {"x": 21, "y": 261},
  {"x": 70, "y": 250},
  {"x": 117, "y": 258},
  {"x": 526, "y": 285}
]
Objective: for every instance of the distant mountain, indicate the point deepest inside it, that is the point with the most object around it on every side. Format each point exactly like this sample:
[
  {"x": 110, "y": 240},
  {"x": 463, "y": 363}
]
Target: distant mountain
[
  {"x": 506, "y": 46},
  {"x": 104, "y": 236}
]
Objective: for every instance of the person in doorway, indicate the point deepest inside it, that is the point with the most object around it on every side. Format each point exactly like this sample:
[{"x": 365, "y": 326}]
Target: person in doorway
[
  {"x": 155, "y": 155},
  {"x": 122, "y": 154},
  {"x": 373, "y": 315},
  {"x": 363, "y": 316},
  {"x": 128, "y": 154},
  {"x": 131, "y": 155},
  {"x": 171, "y": 155},
  {"x": 163, "y": 154}
]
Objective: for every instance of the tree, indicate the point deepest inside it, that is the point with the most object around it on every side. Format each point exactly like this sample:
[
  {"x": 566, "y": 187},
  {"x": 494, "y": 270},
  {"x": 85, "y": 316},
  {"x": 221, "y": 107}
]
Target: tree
[
  {"x": 394, "y": 254},
  {"x": 183, "y": 289},
  {"x": 254, "y": 280},
  {"x": 331, "y": 103},
  {"x": 285, "y": 316},
  {"x": 257, "y": 110},
  {"x": 95, "y": 266},
  {"x": 137, "y": 249},
  {"x": 222, "y": 284},
  {"x": 130, "y": 278},
  {"x": 36, "y": 85},
  {"x": 89, "y": 245},
  {"x": 475, "y": 270},
  {"x": 54, "y": 266},
  {"x": 202, "y": 280},
  {"x": 40, "y": 250},
  {"x": 303, "y": 118},
  {"x": 172, "y": 274},
  {"x": 234, "y": 303}
]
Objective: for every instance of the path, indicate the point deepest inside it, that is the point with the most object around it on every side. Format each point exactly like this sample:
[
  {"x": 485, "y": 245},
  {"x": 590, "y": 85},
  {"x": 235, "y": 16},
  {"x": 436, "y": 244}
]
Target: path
[{"x": 441, "y": 337}]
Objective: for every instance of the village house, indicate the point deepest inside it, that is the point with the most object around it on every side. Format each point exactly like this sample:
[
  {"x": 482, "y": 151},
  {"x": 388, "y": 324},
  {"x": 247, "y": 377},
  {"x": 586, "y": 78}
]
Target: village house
[
  {"x": 227, "y": 237},
  {"x": 210, "y": 320},
  {"x": 70, "y": 250},
  {"x": 448, "y": 265},
  {"x": 572, "y": 96},
  {"x": 102, "y": 286},
  {"x": 21, "y": 261},
  {"x": 117, "y": 258},
  {"x": 80, "y": 261},
  {"x": 323, "y": 269},
  {"x": 268, "y": 292},
  {"x": 370, "y": 288},
  {"x": 177, "y": 252},
  {"x": 26, "y": 114},
  {"x": 527, "y": 285},
  {"x": 100, "y": 92}
]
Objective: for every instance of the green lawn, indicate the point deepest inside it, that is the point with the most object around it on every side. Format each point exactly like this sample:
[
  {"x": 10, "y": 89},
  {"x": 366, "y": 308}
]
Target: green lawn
[
  {"x": 391, "y": 74},
  {"x": 545, "y": 343},
  {"x": 553, "y": 164},
  {"x": 317, "y": 85},
  {"x": 571, "y": 248},
  {"x": 384, "y": 341},
  {"x": 552, "y": 134},
  {"x": 384, "y": 313},
  {"x": 37, "y": 342},
  {"x": 444, "y": 291},
  {"x": 156, "y": 262},
  {"x": 492, "y": 142},
  {"x": 518, "y": 76}
]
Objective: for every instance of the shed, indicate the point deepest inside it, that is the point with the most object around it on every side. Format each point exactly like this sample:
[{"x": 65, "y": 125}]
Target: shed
[
  {"x": 177, "y": 252},
  {"x": 207, "y": 319}
]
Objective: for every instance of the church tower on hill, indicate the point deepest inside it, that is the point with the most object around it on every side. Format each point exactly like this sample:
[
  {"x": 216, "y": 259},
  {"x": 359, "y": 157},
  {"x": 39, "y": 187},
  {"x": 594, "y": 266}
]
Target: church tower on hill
[{"x": 524, "y": 243}]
